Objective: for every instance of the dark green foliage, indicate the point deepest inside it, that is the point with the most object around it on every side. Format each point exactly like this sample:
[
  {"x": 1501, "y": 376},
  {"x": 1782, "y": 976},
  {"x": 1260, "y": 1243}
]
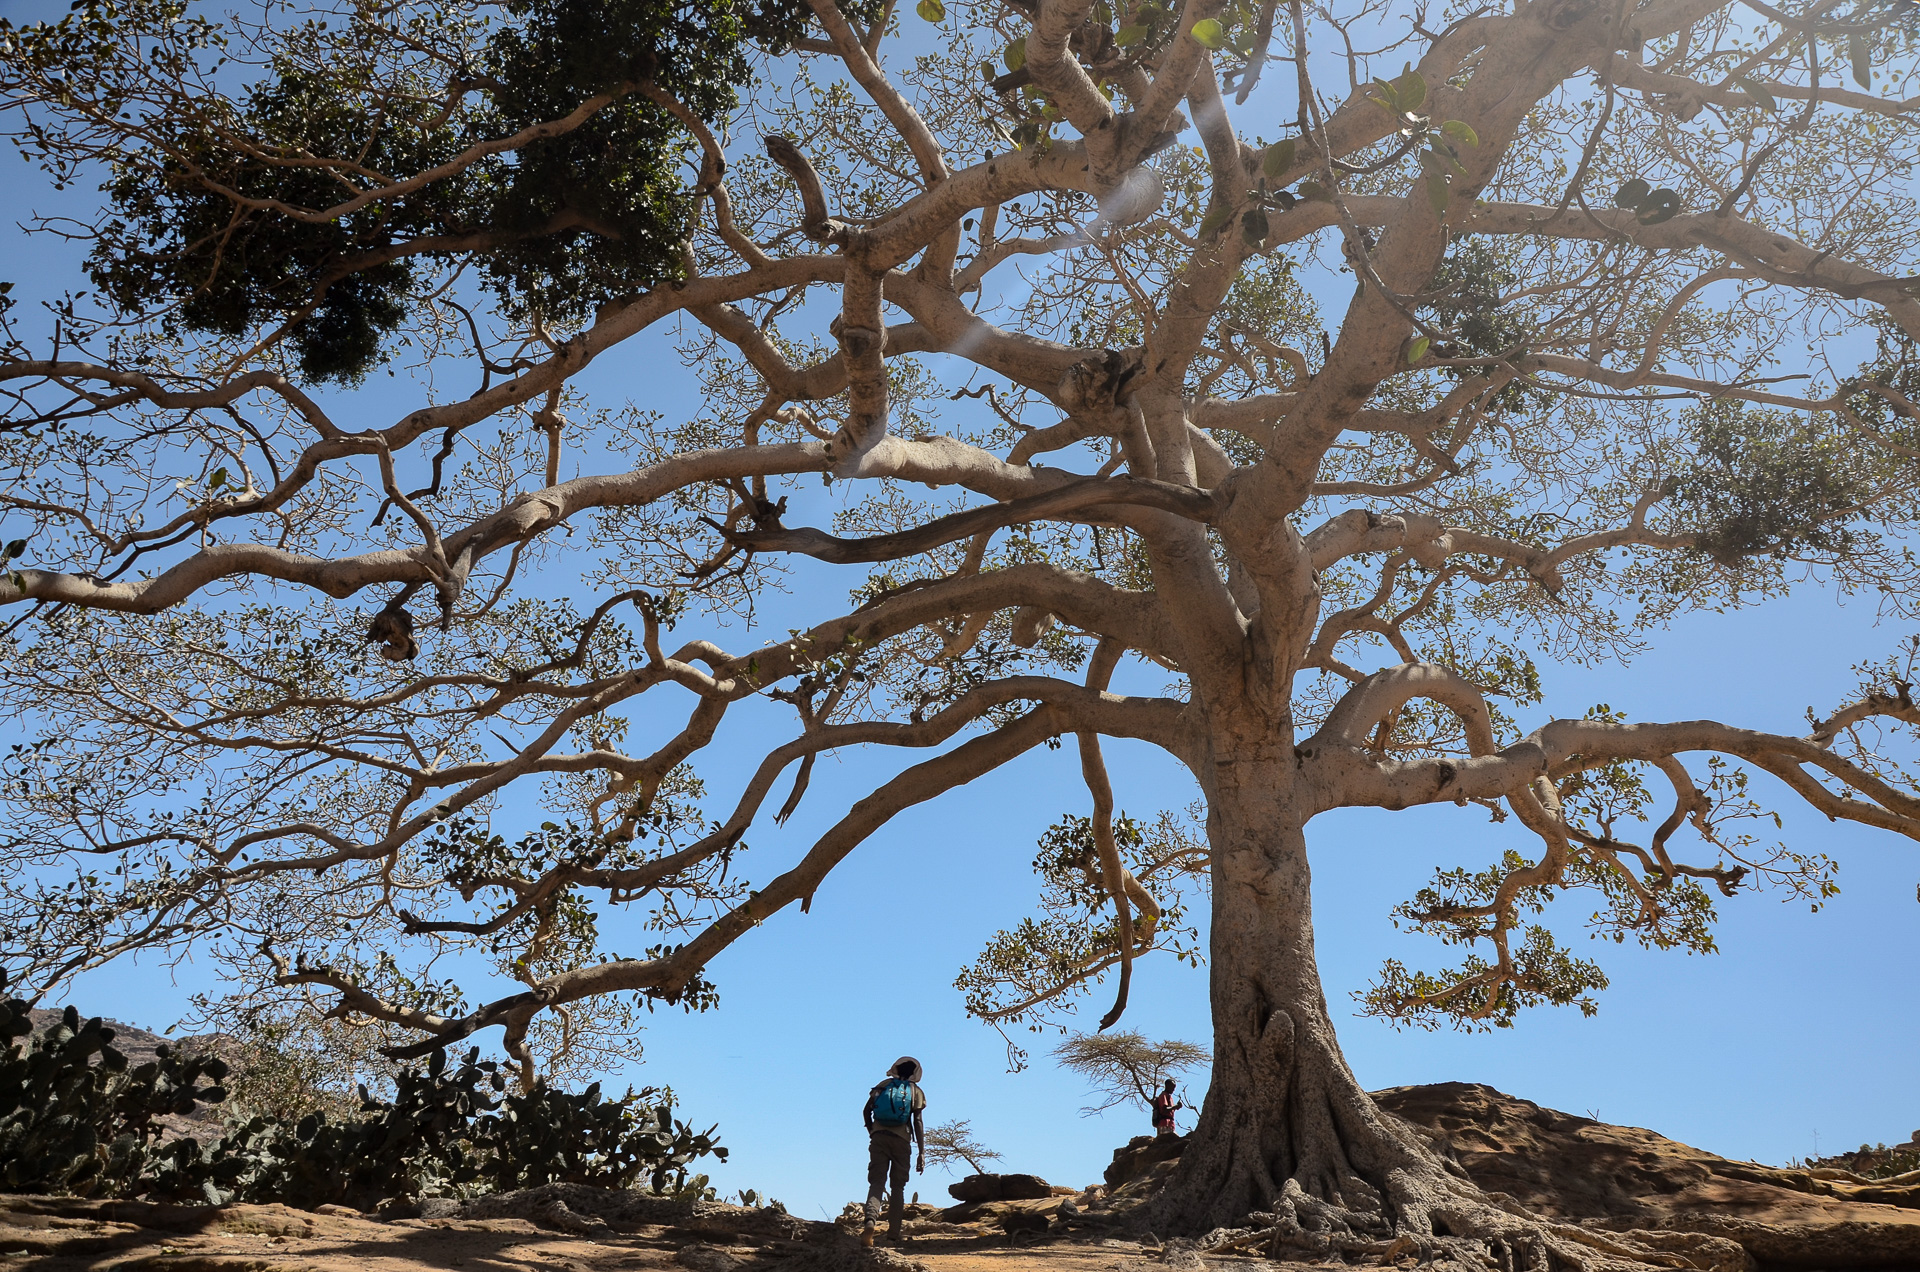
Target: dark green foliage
[
  {"x": 219, "y": 205},
  {"x": 1895, "y": 367},
  {"x": 1457, "y": 908},
  {"x": 548, "y": 1136},
  {"x": 619, "y": 173},
  {"x": 1638, "y": 895},
  {"x": 1069, "y": 861},
  {"x": 1873, "y": 1161},
  {"x": 69, "y": 1124},
  {"x": 1766, "y": 482},
  {"x": 1467, "y": 289},
  {"x": 180, "y": 239},
  {"x": 449, "y": 1130}
]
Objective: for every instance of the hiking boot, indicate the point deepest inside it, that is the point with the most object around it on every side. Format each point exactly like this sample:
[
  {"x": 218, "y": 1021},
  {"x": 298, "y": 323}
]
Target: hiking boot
[{"x": 866, "y": 1236}]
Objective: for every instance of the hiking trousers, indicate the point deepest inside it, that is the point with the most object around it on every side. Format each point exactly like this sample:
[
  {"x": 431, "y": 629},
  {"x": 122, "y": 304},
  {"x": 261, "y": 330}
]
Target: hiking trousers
[{"x": 889, "y": 1157}]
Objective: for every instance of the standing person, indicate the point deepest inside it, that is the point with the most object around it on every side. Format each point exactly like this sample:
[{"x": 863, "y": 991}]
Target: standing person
[
  {"x": 1163, "y": 1106},
  {"x": 894, "y": 1124}
]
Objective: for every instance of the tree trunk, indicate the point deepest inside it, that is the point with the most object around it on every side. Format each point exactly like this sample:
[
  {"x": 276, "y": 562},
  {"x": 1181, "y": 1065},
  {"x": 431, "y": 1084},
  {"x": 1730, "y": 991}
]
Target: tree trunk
[
  {"x": 1283, "y": 1105},
  {"x": 1288, "y": 1142}
]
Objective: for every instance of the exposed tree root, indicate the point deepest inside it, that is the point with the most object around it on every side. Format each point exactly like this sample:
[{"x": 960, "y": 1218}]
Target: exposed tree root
[
  {"x": 1292, "y": 1158},
  {"x": 1446, "y": 1223}
]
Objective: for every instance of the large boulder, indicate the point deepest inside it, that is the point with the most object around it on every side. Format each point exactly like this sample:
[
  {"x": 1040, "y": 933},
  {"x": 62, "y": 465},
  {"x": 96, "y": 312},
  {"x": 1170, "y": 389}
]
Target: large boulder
[
  {"x": 979, "y": 1188},
  {"x": 976, "y": 1188},
  {"x": 1141, "y": 1154}
]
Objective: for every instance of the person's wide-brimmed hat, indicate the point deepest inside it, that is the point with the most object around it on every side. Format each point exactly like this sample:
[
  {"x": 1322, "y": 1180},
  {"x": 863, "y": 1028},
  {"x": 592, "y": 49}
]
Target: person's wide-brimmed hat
[{"x": 911, "y": 1065}]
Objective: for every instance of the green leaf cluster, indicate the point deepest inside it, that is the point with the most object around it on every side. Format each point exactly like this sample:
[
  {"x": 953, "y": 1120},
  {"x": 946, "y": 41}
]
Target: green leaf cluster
[
  {"x": 217, "y": 209},
  {"x": 1238, "y": 33},
  {"x": 1466, "y": 304},
  {"x": 1149, "y": 28},
  {"x": 1546, "y": 974},
  {"x": 1765, "y": 482},
  {"x": 1440, "y": 160},
  {"x": 1031, "y": 971}
]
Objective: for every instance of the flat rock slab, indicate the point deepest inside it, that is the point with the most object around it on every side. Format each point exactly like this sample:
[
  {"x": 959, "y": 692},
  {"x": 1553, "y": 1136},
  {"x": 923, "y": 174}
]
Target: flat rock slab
[
  {"x": 990, "y": 1187},
  {"x": 64, "y": 1235}
]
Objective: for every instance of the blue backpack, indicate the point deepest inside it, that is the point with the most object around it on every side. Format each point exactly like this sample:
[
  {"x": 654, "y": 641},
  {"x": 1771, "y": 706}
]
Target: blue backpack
[{"x": 893, "y": 1103}]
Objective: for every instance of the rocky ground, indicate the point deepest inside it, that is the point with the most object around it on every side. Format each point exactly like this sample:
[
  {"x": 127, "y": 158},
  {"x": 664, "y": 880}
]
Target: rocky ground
[
  {"x": 1619, "y": 1178},
  {"x": 1705, "y": 1211}
]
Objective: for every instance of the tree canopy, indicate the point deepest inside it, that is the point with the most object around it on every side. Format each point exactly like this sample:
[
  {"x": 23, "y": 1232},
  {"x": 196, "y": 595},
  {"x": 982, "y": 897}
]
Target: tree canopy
[{"x": 1026, "y": 303}]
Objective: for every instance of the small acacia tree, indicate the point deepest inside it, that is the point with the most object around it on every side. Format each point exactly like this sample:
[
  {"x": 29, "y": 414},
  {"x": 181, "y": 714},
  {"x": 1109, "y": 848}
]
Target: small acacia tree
[
  {"x": 1125, "y": 1067},
  {"x": 1581, "y": 234},
  {"x": 953, "y": 1141}
]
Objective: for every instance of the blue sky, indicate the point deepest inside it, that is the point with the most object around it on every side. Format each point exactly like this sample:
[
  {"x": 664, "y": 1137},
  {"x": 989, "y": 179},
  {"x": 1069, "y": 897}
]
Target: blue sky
[{"x": 1797, "y": 1038}]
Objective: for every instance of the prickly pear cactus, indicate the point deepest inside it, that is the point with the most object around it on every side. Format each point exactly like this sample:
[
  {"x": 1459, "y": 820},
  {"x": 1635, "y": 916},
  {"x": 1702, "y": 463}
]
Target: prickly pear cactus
[
  {"x": 546, "y": 1136},
  {"x": 72, "y": 1123},
  {"x": 75, "y": 1118},
  {"x": 451, "y": 1130}
]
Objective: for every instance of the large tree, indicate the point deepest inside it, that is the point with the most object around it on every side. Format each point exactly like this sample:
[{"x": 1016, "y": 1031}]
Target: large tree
[{"x": 1581, "y": 235}]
